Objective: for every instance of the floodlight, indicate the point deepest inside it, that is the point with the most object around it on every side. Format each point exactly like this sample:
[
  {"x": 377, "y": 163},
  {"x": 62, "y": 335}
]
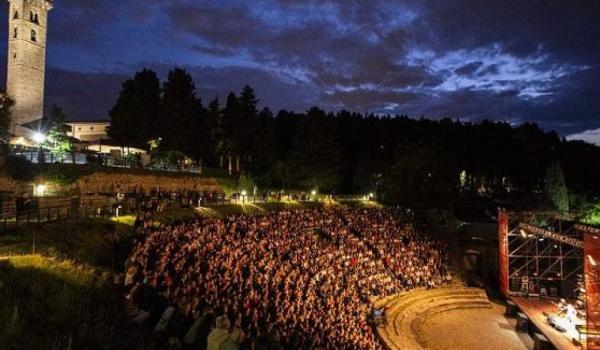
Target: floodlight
[
  {"x": 38, "y": 137},
  {"x": 40, "y": 189}
]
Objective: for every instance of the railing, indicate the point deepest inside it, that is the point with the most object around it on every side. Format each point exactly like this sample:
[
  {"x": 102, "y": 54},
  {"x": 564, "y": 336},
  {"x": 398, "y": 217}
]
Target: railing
[{"x": 26, "y": 219}]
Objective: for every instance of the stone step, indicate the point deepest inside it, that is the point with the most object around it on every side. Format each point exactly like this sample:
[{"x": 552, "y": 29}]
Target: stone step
[
  {"x": 409, "y": 311},
  {"x": 402, "y": 303},
  {"x": 419, "y": 292}
]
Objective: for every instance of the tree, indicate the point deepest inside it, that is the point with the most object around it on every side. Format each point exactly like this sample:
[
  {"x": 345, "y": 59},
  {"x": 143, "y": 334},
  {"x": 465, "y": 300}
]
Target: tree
[
  {"x": 57, "y": 139},
  {"x": 231, "y": 123},
  {"x": 421, "y": 174},
  {"x": 248, "y": 102},
  {"x": 135, "y": 116},
  {"x": 214, "y": 123},
  {"x": 56, "y": 120},
  {"x": 181, "y": 115},
  {"x": 556, "y": 187},
  {"x": 315, "y": 158},
  {"x": 5, "y": 104}
]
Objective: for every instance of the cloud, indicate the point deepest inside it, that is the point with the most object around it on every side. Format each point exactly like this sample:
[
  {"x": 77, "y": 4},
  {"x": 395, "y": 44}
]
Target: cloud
[
  {"x": 590, "y": 136},
  {"x": 531, "y": 61},
  {"x": 364, "y": 100},
  {"x": 469, "y": 68}
]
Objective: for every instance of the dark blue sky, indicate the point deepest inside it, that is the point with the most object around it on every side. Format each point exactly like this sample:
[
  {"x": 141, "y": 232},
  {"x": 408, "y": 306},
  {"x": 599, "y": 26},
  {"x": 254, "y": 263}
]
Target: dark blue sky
[{"x": 469, "y": 59}]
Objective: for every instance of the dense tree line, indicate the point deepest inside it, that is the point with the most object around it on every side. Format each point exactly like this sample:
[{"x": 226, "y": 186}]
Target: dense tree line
[{"x": 403, "y": 160}]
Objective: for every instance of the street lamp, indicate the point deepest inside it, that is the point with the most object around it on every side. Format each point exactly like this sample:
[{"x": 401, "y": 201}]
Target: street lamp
[
  {"x": 244, "y": 196},
  {"x": 39, "y": 138}
]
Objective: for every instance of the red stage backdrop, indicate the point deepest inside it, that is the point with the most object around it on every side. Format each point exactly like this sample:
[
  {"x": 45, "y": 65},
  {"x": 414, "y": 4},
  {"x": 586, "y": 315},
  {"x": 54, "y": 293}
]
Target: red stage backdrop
[
  {"x": 503, "y": 253},
  {"x": 592, "y": 287}
]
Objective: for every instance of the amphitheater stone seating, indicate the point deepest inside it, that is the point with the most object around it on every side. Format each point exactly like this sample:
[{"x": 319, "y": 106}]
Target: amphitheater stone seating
[{"x": 408, "y": 312}]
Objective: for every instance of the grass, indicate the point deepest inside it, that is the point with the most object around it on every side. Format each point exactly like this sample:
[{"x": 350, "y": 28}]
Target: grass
[
  {"x": 97, "y": 242},
  {"x": 47, "y": 303}
]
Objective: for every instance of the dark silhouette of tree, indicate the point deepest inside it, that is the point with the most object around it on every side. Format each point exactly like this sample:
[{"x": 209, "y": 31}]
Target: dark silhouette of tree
[
  {"x": 556, "y": 188},
  {"x": 181, "y": 117},
  {"x": 135, "y": 118},
  {"x": 56, "y": 120},
  {"x": 232, "y": 125},
  {"x": 404, "y": 160},
  {"x": 315, "y": 158},
  {"x": 421, "y": 173},
  {"x": 214, "y": 123}
]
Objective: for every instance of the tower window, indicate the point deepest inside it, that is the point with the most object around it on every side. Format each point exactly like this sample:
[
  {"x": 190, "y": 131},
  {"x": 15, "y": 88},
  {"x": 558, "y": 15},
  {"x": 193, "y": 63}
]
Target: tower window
[
  {"x": 15, "y": 32},
  {"x": 33, "y": 17},
  {"x": 16, "y": 16},
  {"x": 33, "y": 35},
  {"x": 15, "y": 54}
]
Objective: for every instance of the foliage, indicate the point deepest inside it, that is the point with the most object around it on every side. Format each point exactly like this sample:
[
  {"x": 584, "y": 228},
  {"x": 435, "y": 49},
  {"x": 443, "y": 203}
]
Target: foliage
[
  {"x": 5, "y": 104},
  {"x": 591, "y": 213},
  {"x": 245, "y": 183},
  {"x": 555, "y": 188},
  {"x": 181, "y": 117},
  {"x": 166, "y": 159},
  {"x": 135, "y": 116},
  {"x": 420, "y": 173},
  {"x": 348, "y": 152},
  {"x": 315, "y": 160},
  {"x": 57, "y": 139}
]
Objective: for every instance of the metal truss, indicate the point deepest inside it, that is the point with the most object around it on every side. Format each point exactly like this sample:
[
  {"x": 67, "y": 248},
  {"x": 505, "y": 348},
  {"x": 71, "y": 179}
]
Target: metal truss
[{"x": 544, "y": 250}]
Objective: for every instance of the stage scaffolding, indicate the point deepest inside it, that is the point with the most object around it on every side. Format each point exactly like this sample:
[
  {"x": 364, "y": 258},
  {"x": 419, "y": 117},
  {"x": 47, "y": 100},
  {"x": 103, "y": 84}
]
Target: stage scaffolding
[{"x": 541, "y": 253}]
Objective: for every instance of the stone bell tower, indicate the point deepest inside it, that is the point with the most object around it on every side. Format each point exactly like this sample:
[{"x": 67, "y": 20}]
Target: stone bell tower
[{"x": 27, "y": 28}]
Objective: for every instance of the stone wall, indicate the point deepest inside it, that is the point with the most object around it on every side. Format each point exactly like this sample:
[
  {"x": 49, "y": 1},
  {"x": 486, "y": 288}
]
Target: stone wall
[
  {"x": 7, "y": 184},
  {"x": 111, "y": 183}
]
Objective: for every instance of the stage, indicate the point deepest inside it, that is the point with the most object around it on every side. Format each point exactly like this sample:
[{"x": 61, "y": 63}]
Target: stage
[{"x": 534, "y": 309}]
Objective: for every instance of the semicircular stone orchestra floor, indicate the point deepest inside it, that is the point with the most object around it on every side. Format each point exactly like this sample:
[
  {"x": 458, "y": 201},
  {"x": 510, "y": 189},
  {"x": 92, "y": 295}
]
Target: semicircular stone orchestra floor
[
  {"x": 453, "y": 317},
  {"x": 473, "y": 329}
]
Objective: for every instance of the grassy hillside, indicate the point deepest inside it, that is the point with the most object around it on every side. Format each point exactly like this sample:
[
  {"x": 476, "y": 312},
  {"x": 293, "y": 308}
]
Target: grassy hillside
[
  {"x": 47, "y": 303},
  {"x": 63, "y": 296},
  {"x": 98, "y": 242}
]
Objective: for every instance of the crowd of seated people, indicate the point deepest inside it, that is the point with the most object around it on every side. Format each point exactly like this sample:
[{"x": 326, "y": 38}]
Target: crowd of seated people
[{"x": 291, "y": 279}]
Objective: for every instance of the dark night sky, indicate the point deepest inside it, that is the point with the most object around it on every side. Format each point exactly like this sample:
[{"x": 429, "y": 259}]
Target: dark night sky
[{"x": 469, "y": 59}]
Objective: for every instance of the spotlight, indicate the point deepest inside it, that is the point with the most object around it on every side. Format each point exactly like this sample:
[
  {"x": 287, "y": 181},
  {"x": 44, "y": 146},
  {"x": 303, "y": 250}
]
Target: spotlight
[
  {"x": 314, "y": 192},
  {"x": 38, "y": 137},
  {"x": 523, "y": 234},
  {"x": 40, "y": 190}
]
